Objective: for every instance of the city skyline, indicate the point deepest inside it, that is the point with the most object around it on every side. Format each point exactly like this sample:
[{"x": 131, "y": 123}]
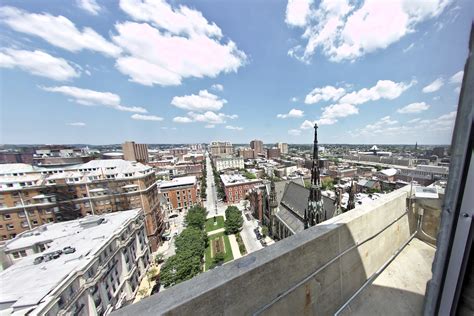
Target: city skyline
[{"x": 78, "y": 73}]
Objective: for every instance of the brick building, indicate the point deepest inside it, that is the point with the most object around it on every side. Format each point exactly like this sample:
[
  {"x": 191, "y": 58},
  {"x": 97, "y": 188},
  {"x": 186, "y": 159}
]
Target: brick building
[
  {"x": 237, "y": 186},
  {"x": 32, "y": 196},
  {"x": 135, "y": 152},
  {"x": 180, "y": 193}
]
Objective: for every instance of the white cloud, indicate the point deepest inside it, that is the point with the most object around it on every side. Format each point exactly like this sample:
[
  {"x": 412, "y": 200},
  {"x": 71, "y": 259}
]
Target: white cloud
[
  {"x": 142, "y": 117},
  {"x": 77, "y": 124},
  {"x": 90, "y": 6},
  {"x": 457, "y": 89},
  {"x": 307, "y": 124},
  {"x": 57, "y": 30},
  {"x": 297, "y": 12},
  {"x": 209, "y": 117},
  {"x": 217, "y": 87},
  {"x": 202, "y": 102},
  {"x": 209, "y": 126},
  {"x": 294, "y": 99},
  {"x": 436, "y": 98},
  {"x": 416, "y": 107},
  {"x": 292, "y": 113},
  {"x": 182, "y": 119},
  {"x": 343, "y": 31},
  {"x": 434, "y": 86},
  {"x": 334, "y": 111},
  {"x": 182, "y": 20},
  {"x": 413, "y": 121},
  {"x": 457, "y": 77},
  {"x": 235, "y": 128},
  {"x": 180, "y": 44},
  {"x": 409, "y": 48},
  {"x": 324, "y": 94},
  {"x": 294, "y": 132},
  {"x": 91, "y": 97},
  {"x": 384, "y": 89},
  {"x": 38, "y": 63}
]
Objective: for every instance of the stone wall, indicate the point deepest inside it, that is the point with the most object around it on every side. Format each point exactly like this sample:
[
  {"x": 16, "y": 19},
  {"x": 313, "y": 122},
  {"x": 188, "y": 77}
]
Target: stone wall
[{"x": 310, "y": 273}]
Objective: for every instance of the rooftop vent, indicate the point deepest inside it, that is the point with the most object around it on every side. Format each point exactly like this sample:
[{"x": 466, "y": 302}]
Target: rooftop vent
[{"x": 91, "y": 221}]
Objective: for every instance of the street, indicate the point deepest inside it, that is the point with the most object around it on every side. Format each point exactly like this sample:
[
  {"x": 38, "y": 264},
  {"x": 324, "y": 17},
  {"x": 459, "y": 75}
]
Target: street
[{"x": 248, "y": 236}]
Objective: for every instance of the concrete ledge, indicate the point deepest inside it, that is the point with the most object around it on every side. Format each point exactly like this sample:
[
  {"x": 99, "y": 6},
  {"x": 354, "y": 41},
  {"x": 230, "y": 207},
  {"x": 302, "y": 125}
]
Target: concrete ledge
[{"x": 246, "y": 285}]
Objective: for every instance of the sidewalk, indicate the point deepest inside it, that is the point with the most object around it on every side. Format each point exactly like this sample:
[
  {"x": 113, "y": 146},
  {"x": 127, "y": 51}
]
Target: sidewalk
[
  {"x": 217, "y": 231},
  {"x": 235, "y": 247}
]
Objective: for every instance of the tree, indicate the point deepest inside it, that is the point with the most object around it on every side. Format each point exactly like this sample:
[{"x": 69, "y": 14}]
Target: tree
[
  {"x": 233, "y": 222},
  {"x": 159, "y": 258},
  {"x": 196, "y": 217},
  {"x": 191, "y": 242},
  {"x": 178, "y": 269},
  {"x": 249, "y": 175},
  {"x": 327, "y": 184},
  {"x": 264, "y": 231},
  {"x": 219, "y": 257}
]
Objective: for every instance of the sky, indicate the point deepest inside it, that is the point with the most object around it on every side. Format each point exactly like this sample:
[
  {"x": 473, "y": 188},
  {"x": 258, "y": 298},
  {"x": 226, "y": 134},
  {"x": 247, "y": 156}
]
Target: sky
[{"x": 102, "y": 72}]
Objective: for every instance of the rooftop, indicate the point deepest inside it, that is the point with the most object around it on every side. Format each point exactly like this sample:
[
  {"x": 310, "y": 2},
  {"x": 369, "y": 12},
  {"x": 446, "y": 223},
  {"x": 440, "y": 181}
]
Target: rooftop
[
  {"x": 176, "y": 182},
  {"x": 232, "y": 179},
  {"x": 26, "y": 283}
]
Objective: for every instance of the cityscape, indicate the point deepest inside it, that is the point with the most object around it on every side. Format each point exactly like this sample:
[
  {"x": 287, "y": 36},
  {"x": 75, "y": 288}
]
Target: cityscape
[{"x": 314, "y": 158}]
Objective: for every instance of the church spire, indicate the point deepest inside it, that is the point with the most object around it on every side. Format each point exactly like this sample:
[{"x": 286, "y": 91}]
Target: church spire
[{"x": 315, "y": 210}]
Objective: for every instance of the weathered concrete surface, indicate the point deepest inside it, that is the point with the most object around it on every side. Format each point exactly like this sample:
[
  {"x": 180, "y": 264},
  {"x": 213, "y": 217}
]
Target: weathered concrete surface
[
  {"x": 367, "y": 236},
  {"x": 400, "y": 288}
]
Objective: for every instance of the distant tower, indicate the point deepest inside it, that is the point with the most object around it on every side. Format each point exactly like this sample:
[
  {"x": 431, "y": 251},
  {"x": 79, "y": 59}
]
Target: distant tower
[
  {"x": 314, "y": 213},
  {"x": 351, "y": 201},
  {"x": 273, "y": 208},
  {"x": 416, "y": 146}
]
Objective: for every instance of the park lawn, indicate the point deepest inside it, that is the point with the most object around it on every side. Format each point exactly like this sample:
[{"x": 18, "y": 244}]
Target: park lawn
[
  {"x": 210, "y": 223},
  {"x": 228, "y": 250}
]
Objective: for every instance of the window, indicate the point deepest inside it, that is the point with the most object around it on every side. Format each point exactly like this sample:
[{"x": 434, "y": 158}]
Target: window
[
  {"x": 15, "y": 255},
  {"x": 10, "y": 227},
  {"x": 23, "y": 253},
  {"x": 35, "y": 222}
]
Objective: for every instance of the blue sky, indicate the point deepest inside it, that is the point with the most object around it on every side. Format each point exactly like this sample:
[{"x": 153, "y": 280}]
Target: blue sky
[{"x": 102, "y": 72}]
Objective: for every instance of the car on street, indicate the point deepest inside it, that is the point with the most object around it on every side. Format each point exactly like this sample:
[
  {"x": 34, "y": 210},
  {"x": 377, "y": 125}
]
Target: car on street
[
  {"x": 247, "y": 216},
  {"x": 263, "y": 242}
]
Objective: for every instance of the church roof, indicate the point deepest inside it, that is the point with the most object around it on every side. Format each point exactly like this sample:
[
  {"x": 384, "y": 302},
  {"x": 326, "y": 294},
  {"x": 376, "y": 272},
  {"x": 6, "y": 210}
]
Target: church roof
[{"x": 293, "y": 204}]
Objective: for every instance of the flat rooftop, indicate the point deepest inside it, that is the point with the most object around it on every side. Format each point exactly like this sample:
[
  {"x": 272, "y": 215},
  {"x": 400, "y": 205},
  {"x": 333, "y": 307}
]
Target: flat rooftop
[
  {"x": 25, "y": 284},
  {"x": 176, "y": 182},
  {"x": 233, "y": 179}
]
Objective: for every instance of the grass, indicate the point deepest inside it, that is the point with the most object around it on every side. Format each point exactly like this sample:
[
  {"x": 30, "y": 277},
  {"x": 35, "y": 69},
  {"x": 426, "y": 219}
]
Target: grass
[
  {"x": 242, "y": 248},
  {"x": 228, "y": 249},
  {"x": 210, "y": 223}
]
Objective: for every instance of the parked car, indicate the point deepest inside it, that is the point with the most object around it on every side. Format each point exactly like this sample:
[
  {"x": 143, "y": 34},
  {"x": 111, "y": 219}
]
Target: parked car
[{"x": 263, "y": 242}]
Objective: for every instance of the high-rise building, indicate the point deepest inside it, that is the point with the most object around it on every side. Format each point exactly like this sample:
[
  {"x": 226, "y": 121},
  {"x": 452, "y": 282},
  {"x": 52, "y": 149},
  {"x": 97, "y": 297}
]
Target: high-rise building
[
  {"x": 247, "y": 153},
  {"x": 257, "y": 146},
  {"x": 273, "y": 153},
  {"x": 90, "y": 266},
  {"x": 135, "y": 152},
  {"x": 221, "y": 148},
  {"x": 31, "y": 196},
  {"x": 283, "y": 147}
]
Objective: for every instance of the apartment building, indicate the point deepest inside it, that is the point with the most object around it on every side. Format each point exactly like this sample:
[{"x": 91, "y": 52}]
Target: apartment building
[
  {"x": 31, "y": 196},
  {"x": 89, "y": 266},
  {"x": 273, "y": 153},
  {"x": 257, "y": 146},
  {"x": 221, "y": 148},
  {"x": 247, "y": 153},
  {"x": 180, "y": 193},
  {"x": 237, "y": 186},
  {"x": 229, "y": 163},
  {"x": 283, "y": 147},
  {"x": 135, "y": 152}
]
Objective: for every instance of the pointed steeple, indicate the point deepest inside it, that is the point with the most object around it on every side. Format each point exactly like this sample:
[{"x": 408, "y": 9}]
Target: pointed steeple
[{"x": 315, "y": 212}]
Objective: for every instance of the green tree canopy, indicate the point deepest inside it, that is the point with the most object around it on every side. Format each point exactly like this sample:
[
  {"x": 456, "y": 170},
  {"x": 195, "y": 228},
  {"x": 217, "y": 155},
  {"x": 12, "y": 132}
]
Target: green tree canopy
[
  {"x": 196, "y": 217},
  {"x": 233, "y": 222}
]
